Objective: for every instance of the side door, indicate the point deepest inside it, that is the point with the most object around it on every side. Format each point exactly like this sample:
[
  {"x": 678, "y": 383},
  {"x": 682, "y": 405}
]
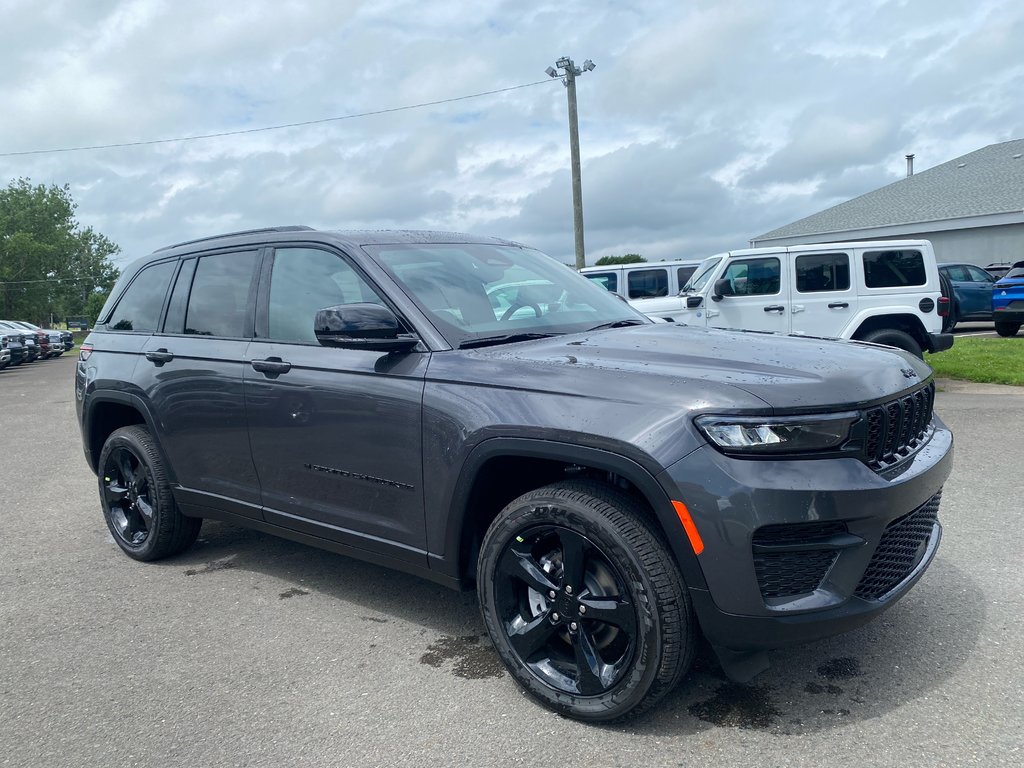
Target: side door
[
  {"x": 976, "y": 293},
  {"x": 759, "y": 295},
  {"x": 335, "y": 433},
  {"x": 192, "y": 373},
  {"x": 650, "y": 290},
  {"x": 824, "y": 300}
]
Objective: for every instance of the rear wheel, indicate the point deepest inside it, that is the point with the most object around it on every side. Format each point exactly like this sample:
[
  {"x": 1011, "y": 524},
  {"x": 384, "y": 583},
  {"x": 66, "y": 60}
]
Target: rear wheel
[
  {"x": 1007, "y": 329},
  {"x": 893, "y": 337},
  {"x": 138, "y": 506},
  {"x": 583, "y": 602}
]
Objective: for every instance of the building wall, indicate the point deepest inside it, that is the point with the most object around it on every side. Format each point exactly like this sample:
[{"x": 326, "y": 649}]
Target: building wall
[{"x": 980, "y": 245}]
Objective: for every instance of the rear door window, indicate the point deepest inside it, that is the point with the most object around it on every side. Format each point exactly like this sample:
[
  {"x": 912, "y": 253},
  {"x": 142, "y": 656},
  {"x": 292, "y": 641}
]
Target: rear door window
[
  {"x": 817, "y": 272},
  {"x": 219, "y": 303},
  {"x": 894, "y": 269},
  {"x": 647, "y": 283},
  {"x": 685, "y": 273},
  {"x": 140, "y": 306}
]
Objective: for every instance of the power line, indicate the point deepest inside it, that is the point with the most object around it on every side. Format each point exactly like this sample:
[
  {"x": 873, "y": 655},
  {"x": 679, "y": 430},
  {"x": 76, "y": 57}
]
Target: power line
[
  {"x": 51, "y": 280},
  {"x": 274, "y": 127}
]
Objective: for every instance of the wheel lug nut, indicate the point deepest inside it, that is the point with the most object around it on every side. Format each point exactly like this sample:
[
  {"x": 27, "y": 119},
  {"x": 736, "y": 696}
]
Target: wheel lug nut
[
  {"x": 552, "y": 594},
  {"x": 568, "y": 590},
  {"x": 583, "y": 609},
  {"x": 555, "y": 617},
  {"x": 574, "y": 626}
]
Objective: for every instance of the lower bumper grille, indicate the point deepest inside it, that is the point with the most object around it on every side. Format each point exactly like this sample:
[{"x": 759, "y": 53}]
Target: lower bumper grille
[
  {"x": 782, "y": 573},
  {"x": 900, "y": 550}
]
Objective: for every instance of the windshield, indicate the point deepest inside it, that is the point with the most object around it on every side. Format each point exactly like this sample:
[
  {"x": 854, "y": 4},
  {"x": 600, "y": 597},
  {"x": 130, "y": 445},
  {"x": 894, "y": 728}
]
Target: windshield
[
  {"x": 702, "y": 275},
  {"x": 474, "y": 291}
]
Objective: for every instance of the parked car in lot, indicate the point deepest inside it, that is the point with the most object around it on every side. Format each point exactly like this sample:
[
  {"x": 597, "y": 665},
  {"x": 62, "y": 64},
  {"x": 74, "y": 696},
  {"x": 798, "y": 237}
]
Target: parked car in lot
[
  {"x": 14, "y": 347},
  {"x": 29, "y": 339},
  {"x": 886, "y": 292},
  {"x": 1008, "y": 301},
  {"x": 610, "y": 485},
  {"x": 59, "y": 341},
  {"x": 972, "y": 292},
  {"x": 998, "y": 270},
  {"x": 49, "y": 343},
  {"x": 651, "y": 287}
]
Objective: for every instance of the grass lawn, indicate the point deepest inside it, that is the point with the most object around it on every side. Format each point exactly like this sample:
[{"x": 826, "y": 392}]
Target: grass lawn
[{"x": 987, "y": 361}]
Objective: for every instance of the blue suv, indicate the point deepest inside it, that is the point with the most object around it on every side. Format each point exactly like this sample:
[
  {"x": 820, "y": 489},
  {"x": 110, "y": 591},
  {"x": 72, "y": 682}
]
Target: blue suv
[{"x": 1008, "y": 301}]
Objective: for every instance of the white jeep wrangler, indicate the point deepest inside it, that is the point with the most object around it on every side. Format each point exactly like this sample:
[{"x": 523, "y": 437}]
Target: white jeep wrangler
[{"x": 886, "y": 292}]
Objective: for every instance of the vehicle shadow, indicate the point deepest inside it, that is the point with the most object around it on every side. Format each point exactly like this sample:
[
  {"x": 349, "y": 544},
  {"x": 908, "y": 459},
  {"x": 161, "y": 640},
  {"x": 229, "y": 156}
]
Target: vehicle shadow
[{"x": 901, "y": 656}]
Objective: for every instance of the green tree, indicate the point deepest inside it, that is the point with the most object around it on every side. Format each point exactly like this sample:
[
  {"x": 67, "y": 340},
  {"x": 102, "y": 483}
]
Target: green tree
[
  {"x": 49, "y": 264},
  {"x": 629, "y": 258}
]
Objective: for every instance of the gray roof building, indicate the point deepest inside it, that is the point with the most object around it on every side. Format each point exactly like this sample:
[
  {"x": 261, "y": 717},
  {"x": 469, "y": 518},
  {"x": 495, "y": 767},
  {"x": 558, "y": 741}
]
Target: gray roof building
[{"x": 972, "y": 208}]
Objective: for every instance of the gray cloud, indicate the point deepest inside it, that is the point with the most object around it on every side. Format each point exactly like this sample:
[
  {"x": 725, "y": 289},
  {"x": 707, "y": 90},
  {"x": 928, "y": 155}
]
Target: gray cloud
[{"x": 704, "y": 124}]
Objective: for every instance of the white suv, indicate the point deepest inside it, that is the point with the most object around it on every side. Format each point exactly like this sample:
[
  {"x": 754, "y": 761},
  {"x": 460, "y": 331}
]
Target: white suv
[
  {"x": 654, "y": 288},
  {"x": 886, "y": 292}
]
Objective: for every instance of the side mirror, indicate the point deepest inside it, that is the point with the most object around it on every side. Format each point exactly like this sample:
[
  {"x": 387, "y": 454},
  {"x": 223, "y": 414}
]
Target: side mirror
[
  {"x": 692, "y": 302},
  {"x": 362, "y": 326},
  {"x": 722, "y": 288}
]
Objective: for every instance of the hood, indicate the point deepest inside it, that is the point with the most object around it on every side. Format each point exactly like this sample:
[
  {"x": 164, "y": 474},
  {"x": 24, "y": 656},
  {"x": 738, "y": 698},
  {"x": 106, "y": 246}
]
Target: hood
[{"x": 705, "y": 368}]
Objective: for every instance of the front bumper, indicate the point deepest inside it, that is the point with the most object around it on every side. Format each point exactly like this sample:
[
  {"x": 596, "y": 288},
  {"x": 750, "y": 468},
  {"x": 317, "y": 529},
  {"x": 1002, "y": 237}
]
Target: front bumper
[{"x": 790, "y": 546}]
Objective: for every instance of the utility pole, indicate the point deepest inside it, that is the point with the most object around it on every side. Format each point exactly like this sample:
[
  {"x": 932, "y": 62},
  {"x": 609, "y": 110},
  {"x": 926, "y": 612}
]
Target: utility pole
[{"x": 570, "y": 72}]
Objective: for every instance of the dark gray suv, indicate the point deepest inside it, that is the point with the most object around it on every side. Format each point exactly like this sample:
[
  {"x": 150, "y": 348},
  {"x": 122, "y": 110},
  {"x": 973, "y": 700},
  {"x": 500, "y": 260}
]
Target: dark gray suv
[{"x": 469, "y": 410}]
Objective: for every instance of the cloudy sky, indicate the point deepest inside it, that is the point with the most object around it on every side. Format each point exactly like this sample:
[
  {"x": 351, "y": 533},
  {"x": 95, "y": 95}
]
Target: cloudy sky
[{"x": 703, "y": 125}]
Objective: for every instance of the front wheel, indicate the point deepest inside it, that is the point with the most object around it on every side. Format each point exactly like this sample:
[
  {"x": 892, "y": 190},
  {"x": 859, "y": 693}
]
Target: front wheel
[
  {"x": 138, "y": 506},
  {"x": 583, "y": 602},
  {"x": 1007, "y": 329}
]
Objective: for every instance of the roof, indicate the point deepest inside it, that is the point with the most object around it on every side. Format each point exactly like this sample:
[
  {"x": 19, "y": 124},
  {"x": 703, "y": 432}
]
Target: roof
[{"x": 984, "y": 182}]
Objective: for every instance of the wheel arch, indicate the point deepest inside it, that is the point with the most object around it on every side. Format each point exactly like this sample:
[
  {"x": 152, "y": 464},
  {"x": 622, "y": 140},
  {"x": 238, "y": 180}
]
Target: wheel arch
[
  {"x": 906, "y": 322},
  {"x": 477, "y": 498},
  {"x": 109, "y": 411}
]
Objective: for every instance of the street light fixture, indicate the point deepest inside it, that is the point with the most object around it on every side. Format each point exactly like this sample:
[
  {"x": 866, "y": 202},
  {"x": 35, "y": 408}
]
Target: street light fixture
[{"x": 571, "y": 72}]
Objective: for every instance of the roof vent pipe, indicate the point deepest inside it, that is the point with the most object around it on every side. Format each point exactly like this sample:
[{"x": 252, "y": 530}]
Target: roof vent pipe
[{"x": 910, "y": 165}]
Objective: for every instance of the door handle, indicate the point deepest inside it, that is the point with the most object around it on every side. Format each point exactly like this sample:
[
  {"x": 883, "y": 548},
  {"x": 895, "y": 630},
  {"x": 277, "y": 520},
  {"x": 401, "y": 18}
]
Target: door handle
[
  {"x": 838, "y": 305},
  {"x": 775, "y": 308},
  {"x": 272, "y": 366},
  {"x": 160, "y": 356}
]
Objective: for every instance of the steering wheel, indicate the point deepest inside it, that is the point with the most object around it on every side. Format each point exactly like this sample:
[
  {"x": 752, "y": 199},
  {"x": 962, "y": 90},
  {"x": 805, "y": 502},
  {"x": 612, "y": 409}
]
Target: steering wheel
[{"x": 516, "y": 306}]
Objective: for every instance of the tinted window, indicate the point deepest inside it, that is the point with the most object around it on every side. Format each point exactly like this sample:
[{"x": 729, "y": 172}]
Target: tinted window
[
  {"x": 822, "y": 272},
  {"x": 175, "y": 320},
  {"x": 304, "y": 280},
  {"x": 893, "y": 269},
  {"x": 219, "y": 302},
  {"x": 753, "y": 277},
  {"x": 956, "y": 273},
  {"x": 684, "y": 274},
  {"x": 647, "y": 283},
  {"x": 607, "y": 280},
  {"x": 139, "y": 307}
]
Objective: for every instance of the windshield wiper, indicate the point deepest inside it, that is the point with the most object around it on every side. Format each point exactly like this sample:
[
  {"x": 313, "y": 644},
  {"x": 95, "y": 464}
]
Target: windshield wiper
[
  {"x": 508, "y": 338},
  {"x": 617, "y": 324}
]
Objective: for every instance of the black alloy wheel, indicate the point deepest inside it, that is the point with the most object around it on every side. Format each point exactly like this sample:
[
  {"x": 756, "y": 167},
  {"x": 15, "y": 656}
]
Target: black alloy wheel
[
  {"x": 577, "y": 639},
  {"x": 583, "y": 602},
  {"x": 126, "y": 496},
  {"x": 138, "y": 505}
]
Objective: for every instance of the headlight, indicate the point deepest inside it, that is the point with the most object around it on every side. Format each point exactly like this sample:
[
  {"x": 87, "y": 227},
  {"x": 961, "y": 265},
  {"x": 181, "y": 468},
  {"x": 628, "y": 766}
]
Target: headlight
[{"x": 784, "y": 434}]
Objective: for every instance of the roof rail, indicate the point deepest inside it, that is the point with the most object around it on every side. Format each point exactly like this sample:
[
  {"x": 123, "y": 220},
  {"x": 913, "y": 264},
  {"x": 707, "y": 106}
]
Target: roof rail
[{"x": 293, "y": 228}]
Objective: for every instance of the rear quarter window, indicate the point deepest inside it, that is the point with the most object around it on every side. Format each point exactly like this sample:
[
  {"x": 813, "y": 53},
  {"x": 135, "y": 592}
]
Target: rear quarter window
[
  {"x": 140, "y": 305},
  {"x": 607, "y": 280},
  {"x": 894, "y": 269}
]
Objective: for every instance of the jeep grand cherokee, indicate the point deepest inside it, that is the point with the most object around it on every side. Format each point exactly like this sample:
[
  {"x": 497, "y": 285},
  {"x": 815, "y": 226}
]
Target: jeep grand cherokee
[{"x": 469, "y": 410}]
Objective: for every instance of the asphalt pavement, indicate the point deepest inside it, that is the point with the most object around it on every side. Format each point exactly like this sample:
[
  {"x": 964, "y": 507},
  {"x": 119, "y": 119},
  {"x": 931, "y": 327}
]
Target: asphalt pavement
[{"x": 253, "y": 651}]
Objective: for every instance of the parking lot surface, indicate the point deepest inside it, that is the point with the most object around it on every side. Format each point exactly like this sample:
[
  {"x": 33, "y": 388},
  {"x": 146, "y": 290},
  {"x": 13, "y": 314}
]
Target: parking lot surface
[{"x": 254, "y": 651}]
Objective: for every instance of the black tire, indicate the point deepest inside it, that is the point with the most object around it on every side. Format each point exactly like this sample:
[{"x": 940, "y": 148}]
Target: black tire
[
  {"x": 892, "y": 337},
  {"x": 564, "y": 655},
  {"x": 1007, "y": 329},
  {"x": 138, "y": 506}
]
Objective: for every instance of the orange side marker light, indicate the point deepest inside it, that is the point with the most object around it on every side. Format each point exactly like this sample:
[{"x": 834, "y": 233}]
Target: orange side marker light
[{"x": 691, "y": 530}]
